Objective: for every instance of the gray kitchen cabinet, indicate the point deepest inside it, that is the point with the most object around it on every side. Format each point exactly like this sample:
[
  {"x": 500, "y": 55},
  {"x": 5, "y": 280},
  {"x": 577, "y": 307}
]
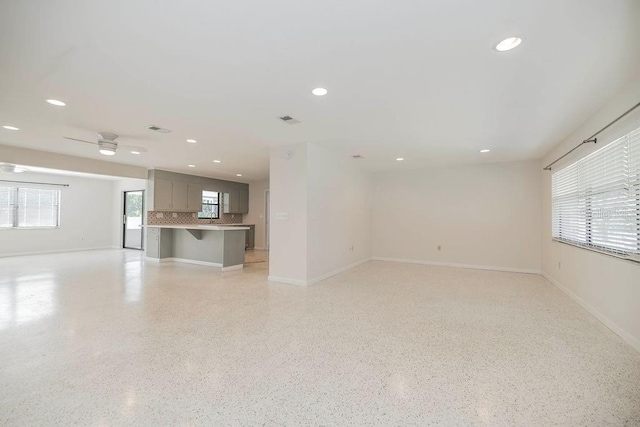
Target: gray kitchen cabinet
[
  {"x": 237, "y": 200},
  {"x": 158, "y": 242},
  {"x": 250, "y": 237},
  {"x": 162, "y": 195},
  {"x": 180, "y": 196},
  {"x": 194, "y": 197}
]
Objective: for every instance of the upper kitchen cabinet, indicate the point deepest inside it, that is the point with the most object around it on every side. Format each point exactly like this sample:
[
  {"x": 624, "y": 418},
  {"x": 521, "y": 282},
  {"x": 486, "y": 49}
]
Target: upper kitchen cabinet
[
  {"x": 236, "y": 200},
  {"x": 177, "y": 192},
  {"x": 176, "y": 196}
]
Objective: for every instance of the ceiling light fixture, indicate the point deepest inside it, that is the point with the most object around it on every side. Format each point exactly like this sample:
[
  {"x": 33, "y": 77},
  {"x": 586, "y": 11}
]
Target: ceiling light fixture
[
  {"x": 191, "y": 141},
  {"x": 486, "y": 150},
  {"x": 238, "y": 174},
  {"x": 107, "y": 151},
  {"x": 192, "y": 166},
  {"x": 508, "y": 44},
  {"x": 10, "y": 127},
  {"x": 399, "y": 159},
  {"x": 135, "y": 152},
  {"x": 56, "y": 102},
  {"x": 217, "y": 161},
  {"x": 319, "y": 91}
]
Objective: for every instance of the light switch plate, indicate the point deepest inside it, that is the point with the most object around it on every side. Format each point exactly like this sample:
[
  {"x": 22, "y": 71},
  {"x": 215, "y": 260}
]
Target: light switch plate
[
  {"x": 159, "y": 215},
  {"x": 175, "y": 215}
]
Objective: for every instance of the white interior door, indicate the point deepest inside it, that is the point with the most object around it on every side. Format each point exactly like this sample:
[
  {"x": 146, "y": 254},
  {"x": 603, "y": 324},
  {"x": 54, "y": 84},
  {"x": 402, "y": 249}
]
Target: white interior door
[{"x": 266, "y": 219}]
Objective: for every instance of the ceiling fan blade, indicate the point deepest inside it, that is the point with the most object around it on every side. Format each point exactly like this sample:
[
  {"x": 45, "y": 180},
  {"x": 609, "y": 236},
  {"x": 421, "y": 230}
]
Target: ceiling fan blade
[
  {"x": 132, "y": 148},
  {"x": 81, "y": 140}
]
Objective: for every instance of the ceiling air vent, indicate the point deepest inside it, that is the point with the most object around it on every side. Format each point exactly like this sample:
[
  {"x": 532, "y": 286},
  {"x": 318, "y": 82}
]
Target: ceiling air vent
[
  {"x": 158, "y": 129},
  {"x": 357, "y": 157},
  {"x": 289, "y": 120}
]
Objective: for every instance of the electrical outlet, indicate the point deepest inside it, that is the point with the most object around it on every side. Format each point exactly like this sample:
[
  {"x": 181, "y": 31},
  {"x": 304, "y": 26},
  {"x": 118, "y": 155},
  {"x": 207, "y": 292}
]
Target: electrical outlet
[
  {"x": 159, "y": 215},
  {"x": 439, "y": 247},
  {"x": 175, "y": 215}
]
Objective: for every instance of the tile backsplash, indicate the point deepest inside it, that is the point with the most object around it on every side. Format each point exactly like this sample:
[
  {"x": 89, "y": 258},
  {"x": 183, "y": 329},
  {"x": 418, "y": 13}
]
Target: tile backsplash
[{"x": 169, "y": 218}]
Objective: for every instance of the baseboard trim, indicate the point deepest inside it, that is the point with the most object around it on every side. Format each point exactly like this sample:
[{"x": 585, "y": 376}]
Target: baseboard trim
[
  {"x": 61, "y": 251},
  {"x": 315, "y": 280},
  {"x": 188, "y": 261},
  {"x": 338, "y": 271},
  {"x": 452, "y": 264},
  {"x": 287, "y": 281},
  {"x": 630, "y": 339},
  {"x": 233, "y": 267}
]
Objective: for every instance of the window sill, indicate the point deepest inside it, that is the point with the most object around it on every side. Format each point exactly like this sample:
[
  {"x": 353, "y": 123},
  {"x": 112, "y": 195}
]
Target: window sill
[
  {"x": 29, "y": 228},
  {"x": 631, "y": 258}
]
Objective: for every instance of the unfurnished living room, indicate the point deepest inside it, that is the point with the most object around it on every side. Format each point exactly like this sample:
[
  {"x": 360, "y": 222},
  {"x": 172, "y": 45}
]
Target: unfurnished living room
[{"x": 320, "y": 212}]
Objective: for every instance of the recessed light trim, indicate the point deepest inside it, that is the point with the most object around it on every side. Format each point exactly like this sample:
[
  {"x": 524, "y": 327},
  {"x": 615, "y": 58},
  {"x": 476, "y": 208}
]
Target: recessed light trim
[
  {"x": 217, "y": 161},
  {"x": 191, "y": 141},
  {"x": 238, "y": 174},
  {"x": 486, "y": 150},
  {"x": 7, "y": 127},
  {"x": 319, "y": 91},
  {"x": 56, "y": 102},
  {"x": 135, "y": 152},
  {"x": 192, "y": 166},
  {"x": 508, "y": 44},
  {"x": 399, "y": 159}
]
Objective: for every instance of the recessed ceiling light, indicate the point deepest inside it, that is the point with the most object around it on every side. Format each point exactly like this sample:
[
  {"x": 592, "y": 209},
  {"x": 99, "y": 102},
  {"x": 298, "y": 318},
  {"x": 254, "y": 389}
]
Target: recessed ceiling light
[
  {"x": 319, "y": 91},
  {"x": 508, "y": 44},
  {"x": 10, "y": 127},
  {"x": 192, "y": 166},
  {"x": 486, "y": 150},
  {"x": 399, "y": 159},
  {"x": 56, "y": 102},
  {"x": 238, "y": 174},
  {"x": 217, "y": 161},
  {"x": 135, "y": 152},
  {"x": 191, "y": 141}
]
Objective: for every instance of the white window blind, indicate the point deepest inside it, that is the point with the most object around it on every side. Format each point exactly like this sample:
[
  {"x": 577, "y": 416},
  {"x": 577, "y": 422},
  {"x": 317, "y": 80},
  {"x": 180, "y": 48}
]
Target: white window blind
[
  {"x": 596, "y": 201},
  {"x": 29, "y": 207}
]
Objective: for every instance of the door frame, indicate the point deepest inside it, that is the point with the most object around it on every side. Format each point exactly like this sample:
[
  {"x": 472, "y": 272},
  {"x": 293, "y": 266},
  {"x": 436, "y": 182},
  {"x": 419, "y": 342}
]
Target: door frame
[
  {"x": 124, "y": 220},
  {"x": 267, "y": 219}
]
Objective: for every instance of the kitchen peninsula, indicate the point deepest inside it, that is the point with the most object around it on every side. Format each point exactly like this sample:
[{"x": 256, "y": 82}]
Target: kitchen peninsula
[{"x": 212, "y": 245}]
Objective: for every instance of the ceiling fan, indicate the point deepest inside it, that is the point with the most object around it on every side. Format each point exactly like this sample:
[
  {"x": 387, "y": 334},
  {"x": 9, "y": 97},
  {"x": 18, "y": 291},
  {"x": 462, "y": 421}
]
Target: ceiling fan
[
  {"x": 107, "y": 144},
  {"x": 11, "y": 168}
]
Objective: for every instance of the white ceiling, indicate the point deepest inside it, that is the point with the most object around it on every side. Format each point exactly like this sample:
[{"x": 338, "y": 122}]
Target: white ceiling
[{"x": 413, "y": 79}]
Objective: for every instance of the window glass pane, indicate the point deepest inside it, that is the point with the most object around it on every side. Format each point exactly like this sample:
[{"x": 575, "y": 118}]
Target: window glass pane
[
  {"x": 7, "y": 195},
  {"x": 37, "y": 207},
  {"x": 210, "y": 205}
]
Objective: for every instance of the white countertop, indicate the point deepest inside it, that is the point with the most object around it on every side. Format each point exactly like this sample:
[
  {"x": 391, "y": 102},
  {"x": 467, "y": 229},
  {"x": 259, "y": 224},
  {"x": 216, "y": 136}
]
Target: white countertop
[{"x": 200, "y": 227}]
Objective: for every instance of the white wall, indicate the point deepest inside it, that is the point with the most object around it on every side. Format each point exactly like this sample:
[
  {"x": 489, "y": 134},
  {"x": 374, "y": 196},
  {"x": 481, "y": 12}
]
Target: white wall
[
  {"x": 483, "y": 215},
  {"x": 339, "y": 208},
  {"x": 256, "y": 214},
  {"x": 288, "y": 237},
  {"x": 86, "y": 215},
  {"x": 328, "y": 203},
  {"x": 608, "y": 287}
]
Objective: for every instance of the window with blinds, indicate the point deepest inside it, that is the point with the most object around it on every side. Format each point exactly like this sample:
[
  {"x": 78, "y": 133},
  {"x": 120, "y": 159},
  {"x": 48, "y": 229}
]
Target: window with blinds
[
  {"x": 596, "y": 201},
  {"x": 29, "y": 207}
]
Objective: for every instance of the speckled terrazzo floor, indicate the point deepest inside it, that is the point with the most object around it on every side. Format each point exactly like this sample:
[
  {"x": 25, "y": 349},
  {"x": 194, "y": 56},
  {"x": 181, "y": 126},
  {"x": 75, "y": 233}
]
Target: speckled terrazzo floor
[{"x": 101, "y": 338}]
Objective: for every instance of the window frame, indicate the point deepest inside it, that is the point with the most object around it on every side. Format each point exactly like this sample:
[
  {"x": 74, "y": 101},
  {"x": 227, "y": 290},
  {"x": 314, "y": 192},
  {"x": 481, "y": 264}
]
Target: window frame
[
  {"x": 15, "y": 209},
  {"x": 200, "y": 213}
]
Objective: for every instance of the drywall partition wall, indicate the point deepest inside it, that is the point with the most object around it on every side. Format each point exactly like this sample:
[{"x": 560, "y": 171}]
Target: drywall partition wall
[
  {"x": 86, "y": 212},
  {"x": 257, "y": 214},
  {"x": 288, "y": 226},
  {"x": 606, "y": 286},
  {"x": 339, "y": 213},
  {"x": 44, "y": 159},
  {"x": 481, "y": 216}
]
